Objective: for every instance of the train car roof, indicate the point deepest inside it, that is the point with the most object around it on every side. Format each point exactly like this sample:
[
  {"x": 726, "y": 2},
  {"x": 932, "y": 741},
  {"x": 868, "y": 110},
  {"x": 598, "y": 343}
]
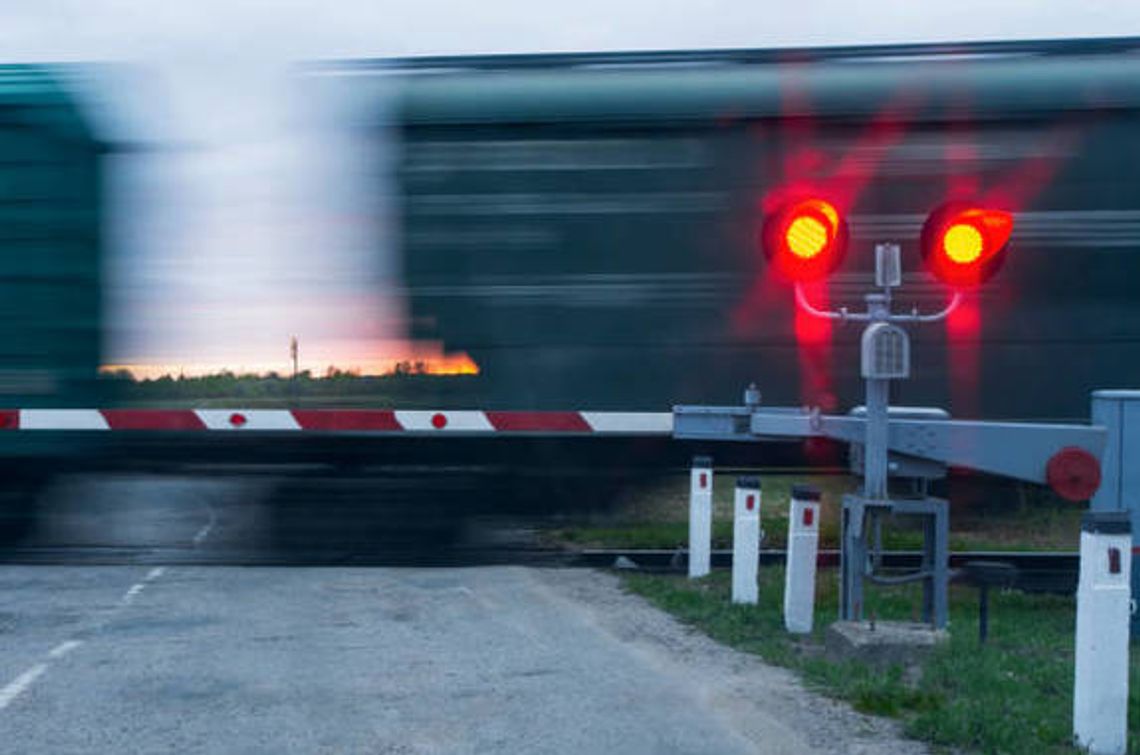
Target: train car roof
[
  {"x": 866, "y": 53},
  {"x": 987, "y": 79},
  {"x": 41, "y": 95}
]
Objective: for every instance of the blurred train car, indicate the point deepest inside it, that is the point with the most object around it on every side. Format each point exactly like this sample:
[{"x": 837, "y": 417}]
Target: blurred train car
[
  {"x": 51, "y": 261},
  {"x": 585, "y": 226}
]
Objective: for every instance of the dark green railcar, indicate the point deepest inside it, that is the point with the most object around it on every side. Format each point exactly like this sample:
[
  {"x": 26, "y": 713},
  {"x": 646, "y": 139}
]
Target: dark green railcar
[
  {"x": 50, "y": 268},
  {"x": 586, "y": 226},
  {"x": 50, "y": 244}
]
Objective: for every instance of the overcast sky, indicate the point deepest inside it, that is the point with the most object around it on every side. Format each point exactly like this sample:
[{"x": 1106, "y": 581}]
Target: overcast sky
[{"x": 250, "y": 223}]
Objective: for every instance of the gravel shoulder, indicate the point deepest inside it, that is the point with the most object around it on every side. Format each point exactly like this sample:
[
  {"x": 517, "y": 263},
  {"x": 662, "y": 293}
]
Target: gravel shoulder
[{"x": 766, "y": 706}]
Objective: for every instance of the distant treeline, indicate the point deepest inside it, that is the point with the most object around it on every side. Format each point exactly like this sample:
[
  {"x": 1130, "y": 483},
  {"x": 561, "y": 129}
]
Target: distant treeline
[{"x": 406, "y": 378}]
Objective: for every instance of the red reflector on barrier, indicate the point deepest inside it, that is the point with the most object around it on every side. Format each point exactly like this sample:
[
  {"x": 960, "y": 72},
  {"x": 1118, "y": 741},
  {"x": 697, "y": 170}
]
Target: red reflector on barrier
[
  {"x": 1073, "y": 473},
  {"x": 438, "y": 421},
  {"x": 237, "y": 420}
]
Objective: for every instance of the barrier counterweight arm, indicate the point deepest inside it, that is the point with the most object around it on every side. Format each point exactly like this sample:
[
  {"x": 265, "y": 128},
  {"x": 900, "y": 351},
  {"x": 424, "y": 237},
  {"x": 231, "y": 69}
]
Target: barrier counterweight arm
[{"x": 1019, "y": 450}]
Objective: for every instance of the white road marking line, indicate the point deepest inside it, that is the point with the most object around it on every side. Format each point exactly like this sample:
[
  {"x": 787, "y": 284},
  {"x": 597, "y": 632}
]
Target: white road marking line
[
  {"x": 205, "y": 531},
  {"x": 64, "y": 648},
  {"x": 17, "y": 686},
  {"x": 131, "y": 593}
]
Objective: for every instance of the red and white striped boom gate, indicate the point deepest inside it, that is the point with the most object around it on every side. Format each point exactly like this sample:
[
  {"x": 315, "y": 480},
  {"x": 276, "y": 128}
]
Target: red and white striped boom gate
[{"x": 370, "y": 421}]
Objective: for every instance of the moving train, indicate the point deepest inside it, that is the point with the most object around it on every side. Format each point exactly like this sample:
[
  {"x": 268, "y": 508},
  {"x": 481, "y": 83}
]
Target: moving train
[
  {"x": 586, "y": 226},
  {"x": 52, "y": 227}
]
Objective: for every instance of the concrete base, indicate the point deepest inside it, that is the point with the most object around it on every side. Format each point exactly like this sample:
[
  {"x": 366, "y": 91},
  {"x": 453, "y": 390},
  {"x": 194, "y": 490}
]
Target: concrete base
[{"x": 884, "y": 643}]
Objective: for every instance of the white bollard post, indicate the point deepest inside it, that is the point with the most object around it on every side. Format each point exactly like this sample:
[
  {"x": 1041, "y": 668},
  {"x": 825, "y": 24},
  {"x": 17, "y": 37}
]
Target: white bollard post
[
  {"x": 746, "y": 541},
  {"x": 803, "y": 546},
  {"x": 700, "y": 517},
  {"x": 1100, "y": 693}
]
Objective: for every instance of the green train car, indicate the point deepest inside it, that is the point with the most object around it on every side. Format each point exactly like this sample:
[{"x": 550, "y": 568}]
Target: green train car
[
  {"x": 50, "y": 244},
  {"x": 586, "y": 226},
  {"x": 51, "y": 260}
]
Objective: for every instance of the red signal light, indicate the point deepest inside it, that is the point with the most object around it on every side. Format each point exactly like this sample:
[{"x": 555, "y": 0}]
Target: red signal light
[
  {"x": 964, "y": 245},
  {"x": 805, "y": 240}
]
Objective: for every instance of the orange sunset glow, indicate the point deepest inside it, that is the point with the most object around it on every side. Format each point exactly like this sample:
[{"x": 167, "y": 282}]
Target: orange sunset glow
[{"x": 428, "y": 359}]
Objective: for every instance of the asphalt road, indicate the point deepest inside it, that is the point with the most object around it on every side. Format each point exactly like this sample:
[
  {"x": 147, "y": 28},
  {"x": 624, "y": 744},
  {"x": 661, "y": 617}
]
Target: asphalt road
[
  {"x": 162, "y": 654},
  {"x": 195, "y": 659}
]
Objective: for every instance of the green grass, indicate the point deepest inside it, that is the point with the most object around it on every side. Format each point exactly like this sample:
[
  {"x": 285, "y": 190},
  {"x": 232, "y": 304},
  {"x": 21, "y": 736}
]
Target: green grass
[
  {"x": 1014, "y": 695},
  {"x": 656, "y": 516}
]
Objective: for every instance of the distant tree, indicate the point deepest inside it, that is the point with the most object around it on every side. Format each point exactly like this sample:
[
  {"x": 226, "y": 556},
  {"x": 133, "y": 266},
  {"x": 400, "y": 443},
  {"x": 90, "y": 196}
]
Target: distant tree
[
  {"x": 408, "y": 367},
  {"x": 124, "y": 375}
]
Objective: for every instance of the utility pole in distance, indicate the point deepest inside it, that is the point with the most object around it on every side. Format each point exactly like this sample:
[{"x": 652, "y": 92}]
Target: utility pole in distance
[{"x": 293, "y": 381}]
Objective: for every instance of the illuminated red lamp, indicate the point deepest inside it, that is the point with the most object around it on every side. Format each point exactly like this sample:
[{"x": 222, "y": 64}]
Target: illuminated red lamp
[
  {"x": 805, "y": 240},
  {"x": 963, "y": 245}
]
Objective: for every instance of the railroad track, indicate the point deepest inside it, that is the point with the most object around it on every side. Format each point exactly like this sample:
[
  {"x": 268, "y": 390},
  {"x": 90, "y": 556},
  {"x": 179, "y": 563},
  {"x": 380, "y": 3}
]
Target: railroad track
[
  {"x": 1049, "y": 571},
  {"x": 1054, "y": 571}
]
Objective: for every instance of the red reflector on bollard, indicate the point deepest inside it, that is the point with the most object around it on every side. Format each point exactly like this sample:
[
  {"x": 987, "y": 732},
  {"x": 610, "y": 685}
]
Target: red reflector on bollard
[
  {"x": 750, "y": 502},
  {"x": 1113, "y": 560},
  {"x": 809, "y": 516},
  {"x": 704, "y": 480}
]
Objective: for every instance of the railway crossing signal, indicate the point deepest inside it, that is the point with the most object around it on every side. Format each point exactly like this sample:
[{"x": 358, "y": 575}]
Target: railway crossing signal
[{"x": 963, "y": 245}]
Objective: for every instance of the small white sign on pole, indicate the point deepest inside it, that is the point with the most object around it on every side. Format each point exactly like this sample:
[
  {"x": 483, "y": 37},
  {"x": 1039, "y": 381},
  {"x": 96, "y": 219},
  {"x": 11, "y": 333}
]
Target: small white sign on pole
[
  {"x": 700, "y": 517},
  {"x": 746, "y": 541},
  {"x": 803, "y": 547},
  {"x": 1100, "y": 692}
]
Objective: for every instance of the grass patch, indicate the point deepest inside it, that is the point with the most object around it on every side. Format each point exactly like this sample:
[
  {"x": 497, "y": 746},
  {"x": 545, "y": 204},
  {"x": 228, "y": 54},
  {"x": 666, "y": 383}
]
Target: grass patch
[
  {"x": 982, "y": 517},
  {"x": 1013, "y": 695}
]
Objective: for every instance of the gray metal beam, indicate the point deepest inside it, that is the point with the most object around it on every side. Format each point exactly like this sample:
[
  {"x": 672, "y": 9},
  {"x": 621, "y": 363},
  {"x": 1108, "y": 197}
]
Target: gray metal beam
[{"x": 1015, "y": 449}]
